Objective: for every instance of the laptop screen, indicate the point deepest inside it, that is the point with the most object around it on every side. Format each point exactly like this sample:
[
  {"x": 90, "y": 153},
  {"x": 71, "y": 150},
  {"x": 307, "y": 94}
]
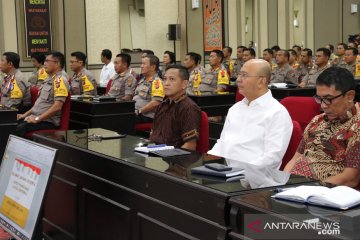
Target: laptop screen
[{"x": 24, "y": 175}]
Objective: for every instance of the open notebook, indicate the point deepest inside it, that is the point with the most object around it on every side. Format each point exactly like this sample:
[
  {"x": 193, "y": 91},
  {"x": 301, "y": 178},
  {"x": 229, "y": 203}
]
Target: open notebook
[{"x": 340, "y": 197}]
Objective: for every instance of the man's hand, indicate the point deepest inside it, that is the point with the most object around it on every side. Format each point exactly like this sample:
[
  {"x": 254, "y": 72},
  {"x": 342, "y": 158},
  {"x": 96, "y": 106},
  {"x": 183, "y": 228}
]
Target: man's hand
[
  {"x": 20, "y": 116},
  {"x": 30, "y": 120}
]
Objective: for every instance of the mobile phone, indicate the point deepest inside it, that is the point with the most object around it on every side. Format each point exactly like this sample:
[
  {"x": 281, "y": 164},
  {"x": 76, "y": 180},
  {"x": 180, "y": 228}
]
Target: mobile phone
[{"x": 218, "y": 167}]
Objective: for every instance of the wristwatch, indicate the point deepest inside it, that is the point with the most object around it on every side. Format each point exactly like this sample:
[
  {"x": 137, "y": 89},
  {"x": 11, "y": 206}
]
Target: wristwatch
[{"x": 37, "y": 119}]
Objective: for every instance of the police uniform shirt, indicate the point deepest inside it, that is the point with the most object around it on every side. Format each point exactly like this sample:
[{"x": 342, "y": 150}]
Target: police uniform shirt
[
  {"x": 283, "y": 75},
  {"x": 122, "y": 84},
  {"x": 337, "y": 61},
  {"x": 353, "y": 68},
  {"x": 38, "y": 76},
  {"x": 229, "y": 66},
  {"x": 147, "y": 91},
  {"x": 213, "y": 79},
  {"x": 194, "y": 80},
  {"x": 83, "y": 83},
  {"x": 53, "y": 89},
  {"x": 310, "y": 78},
  {"x": 15, "y": 90},
  {"x": 237, "y": 66},
  {"x": 302, "y": 70}
]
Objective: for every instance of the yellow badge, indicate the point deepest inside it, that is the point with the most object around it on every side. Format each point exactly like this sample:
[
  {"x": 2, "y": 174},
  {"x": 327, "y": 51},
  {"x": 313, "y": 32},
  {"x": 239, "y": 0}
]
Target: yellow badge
[
  {"x": 231, "y": 66},
  {"x": 42, "y": 74},
  {"x": 223, "y": 77},
  {"x": 60, "y": 89},
  {"x": 357, "y": 70},
  {"x": 157, "y": 89},
  {"x": 15, "y": 90},
  {"x": 295, "y": 65},
  {"x": 86, "y": 84},
  {"x": 197, "y": 80}
]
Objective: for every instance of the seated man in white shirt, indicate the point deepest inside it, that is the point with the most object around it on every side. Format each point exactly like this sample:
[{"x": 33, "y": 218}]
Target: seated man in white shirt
[
  {"x": 108, "y": 70},
  {"x": 257, "y": 129}
]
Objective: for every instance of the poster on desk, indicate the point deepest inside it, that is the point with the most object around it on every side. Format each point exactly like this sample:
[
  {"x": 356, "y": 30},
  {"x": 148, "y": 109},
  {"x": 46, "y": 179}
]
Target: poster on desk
[
  {"x": 37, "y": 26},
  {"x": 20, "y": 191},
  {"x": 213, "y": 24}
]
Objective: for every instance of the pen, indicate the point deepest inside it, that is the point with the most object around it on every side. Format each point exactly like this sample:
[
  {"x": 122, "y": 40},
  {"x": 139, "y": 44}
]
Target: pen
[{"x": 156, "y": 146}]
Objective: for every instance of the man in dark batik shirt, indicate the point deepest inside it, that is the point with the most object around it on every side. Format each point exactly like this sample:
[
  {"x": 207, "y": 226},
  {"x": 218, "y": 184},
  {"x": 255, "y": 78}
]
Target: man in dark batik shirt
[
  {"x": 177, "y": 118},
  {"x": 330, "y": 148}
]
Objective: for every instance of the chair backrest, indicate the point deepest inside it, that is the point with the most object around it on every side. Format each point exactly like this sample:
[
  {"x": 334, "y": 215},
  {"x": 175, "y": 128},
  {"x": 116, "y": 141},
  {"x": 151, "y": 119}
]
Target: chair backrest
[
  {"x": 108, "y": 86},
  {"x": 301, "y": 109},
  {"x": 65, "y": 114},
  {"x": 203, "y": 141},
  {"x": 293, "y": 144},
  {"x": 34, "y": 92},
  {"x": 238, "y": 96}
]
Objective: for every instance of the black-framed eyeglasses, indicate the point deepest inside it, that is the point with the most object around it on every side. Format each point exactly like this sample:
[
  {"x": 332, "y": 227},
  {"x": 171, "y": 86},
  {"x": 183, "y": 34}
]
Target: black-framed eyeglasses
[{"x": 327, "y": 100}]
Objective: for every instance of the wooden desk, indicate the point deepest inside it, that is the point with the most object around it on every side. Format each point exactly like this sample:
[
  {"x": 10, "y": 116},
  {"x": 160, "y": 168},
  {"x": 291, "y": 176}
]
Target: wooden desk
[
  {"x": 214, "y": 104},
  {"x": 260, "y": 206},
  {"x": 8, "y": 125},
  {"x": 280, "y": 93},
  {"x": 118, "y": 116},
  {"x": 103, "y": 190}
]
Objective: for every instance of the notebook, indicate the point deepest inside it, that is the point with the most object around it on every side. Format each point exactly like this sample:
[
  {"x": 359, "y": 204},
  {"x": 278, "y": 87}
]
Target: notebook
[
  {"x": 153, "y": 148},
  {"x": 340, "y": 197},
  {"x": 162, "y": 150},
  {"x": 225, "y": 174}
]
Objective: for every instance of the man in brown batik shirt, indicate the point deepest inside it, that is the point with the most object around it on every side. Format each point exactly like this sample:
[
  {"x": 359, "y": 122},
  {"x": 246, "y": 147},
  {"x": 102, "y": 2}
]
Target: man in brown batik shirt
[{"x": 177, "y": 118}]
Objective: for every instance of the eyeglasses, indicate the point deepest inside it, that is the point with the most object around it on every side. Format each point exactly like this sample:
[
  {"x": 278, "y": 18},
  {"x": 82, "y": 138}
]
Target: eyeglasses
[
  {"x": 327, "y": 100},
  {"x": 245, "y": 75}
]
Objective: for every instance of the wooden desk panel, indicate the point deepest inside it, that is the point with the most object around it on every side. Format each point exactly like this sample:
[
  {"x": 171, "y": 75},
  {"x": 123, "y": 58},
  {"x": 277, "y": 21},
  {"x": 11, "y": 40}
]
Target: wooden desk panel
[
  {"x": 280, "y": 93},
  {"x": 116, "y": 116},
  {"x": 8, "y": 125},
  {"x": 214, "y": 104}
]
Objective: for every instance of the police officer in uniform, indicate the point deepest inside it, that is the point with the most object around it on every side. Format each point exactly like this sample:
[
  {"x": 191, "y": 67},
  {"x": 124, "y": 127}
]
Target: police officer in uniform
[
  {"x": 123, "y": 83},
  {"x": 15, "y": 90},
  {"x": 321, "y": 60},
  {"x": 46, "y": 112},
  {"x": 239, "y": 62},
  {"x": 228, "y": 63},
  {"x": 39, "y": 74},
  {"x": 350, "y": 62},
  {"x": 150, "y": 91},
  {"x": 284, "y": 73},
  {"x": 268, "y": 55},
  {"x": 191, "y": 63},
  {"x": 82, "y": 81},
  {"x": 216, "y": 78},
  {"x": 305, "y": 64},
  {"x": 340, "y": 51}
]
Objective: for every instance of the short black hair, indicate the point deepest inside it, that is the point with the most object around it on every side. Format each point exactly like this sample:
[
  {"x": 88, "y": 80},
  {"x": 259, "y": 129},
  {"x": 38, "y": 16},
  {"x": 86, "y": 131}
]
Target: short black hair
[
  {"x": 183, "y": 72},
  {"x": 343, "y": 44},
  {"x": 229, "y": 48},
  {"x": 126, "y": 50},
  {"x": 354, "y": 50},
  {"x": 172, "y": 56},
  {"x": 12, "y": 58},
  {"x": 195, "y": 57},
  {"x": 331, "y": 47},
  {"x": 308, "y": 52},
  {"x": 154, "y": 61},
  {"x": 148, "y": 52},
  {"x": 126, "y": 58},
  {"x": 251, "y": 50},
  {"x": 79, "y": 56},
  {"x": 39, "y": 57},
  {"x": 297, "y": 47},
  {"x": 326, "y": 51},
  {"x": 341, "y": 78},
  {"x": 269, "y": 50},
  {"x": 275, "y": 48},
  {"x": 59, "y": 57},
  {"x": 292, "y": 51},
  {"x": 106, "y": 53},
  {"x": 219, "y": 53},
  {"x": 241, "y": 46}
]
